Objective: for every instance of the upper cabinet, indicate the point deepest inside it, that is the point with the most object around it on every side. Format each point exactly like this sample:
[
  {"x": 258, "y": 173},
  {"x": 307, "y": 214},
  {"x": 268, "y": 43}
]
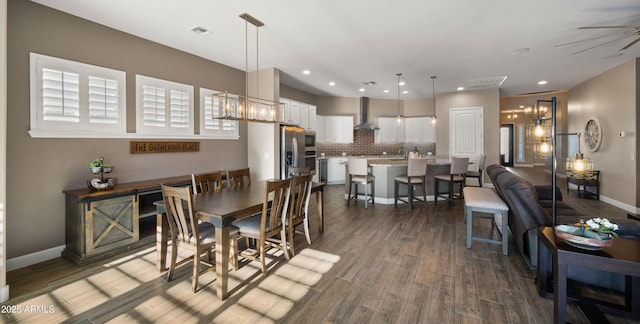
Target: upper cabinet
[
  {"x": 319, "y": 129},
  {"x": 411, "y": 130},
  {"x": 337, "y": 129},
  {"x": 419, "y": 130},
  {"x": 298, "y": 113},
  {"x": 390, "y": 130}
]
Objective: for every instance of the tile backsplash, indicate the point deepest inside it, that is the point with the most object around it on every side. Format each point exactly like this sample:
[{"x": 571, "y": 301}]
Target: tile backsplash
[{"x": 363, "y": 144}]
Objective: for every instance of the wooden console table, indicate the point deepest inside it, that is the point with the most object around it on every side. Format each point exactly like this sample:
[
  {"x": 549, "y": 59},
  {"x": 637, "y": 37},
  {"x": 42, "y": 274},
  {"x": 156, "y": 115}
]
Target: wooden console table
[
  {"x": 103, "y": 223},
  {"x": 623, "y": 257}
]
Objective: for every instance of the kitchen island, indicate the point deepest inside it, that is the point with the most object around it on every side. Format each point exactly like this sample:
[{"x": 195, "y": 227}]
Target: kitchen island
[{"x": 386, "y": 169}]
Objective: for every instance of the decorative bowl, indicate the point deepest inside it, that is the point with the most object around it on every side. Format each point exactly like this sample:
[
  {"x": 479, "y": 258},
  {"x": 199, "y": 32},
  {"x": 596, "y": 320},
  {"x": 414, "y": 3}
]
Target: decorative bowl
[{"x": 583, "y": 238}]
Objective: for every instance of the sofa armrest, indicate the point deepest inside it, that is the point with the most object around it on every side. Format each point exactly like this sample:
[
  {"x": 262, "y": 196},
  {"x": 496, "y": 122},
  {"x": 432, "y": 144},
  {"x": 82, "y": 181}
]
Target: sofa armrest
[{"x": 545, "y": 193}]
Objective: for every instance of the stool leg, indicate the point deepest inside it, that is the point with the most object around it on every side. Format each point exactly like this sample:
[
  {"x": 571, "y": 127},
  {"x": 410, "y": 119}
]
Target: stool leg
[
  {"x": 349, "y": 194},
  {"x": 366, "y": 198},
  {"x": 395, "y": 192},
  {"x": 505, "y": 233},
  {"x": 410, "y": 194},
  {"x": 468, "y": 218}
]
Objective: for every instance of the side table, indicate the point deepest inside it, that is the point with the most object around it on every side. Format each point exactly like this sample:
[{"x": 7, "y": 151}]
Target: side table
[{"x": 623, "y": 257}]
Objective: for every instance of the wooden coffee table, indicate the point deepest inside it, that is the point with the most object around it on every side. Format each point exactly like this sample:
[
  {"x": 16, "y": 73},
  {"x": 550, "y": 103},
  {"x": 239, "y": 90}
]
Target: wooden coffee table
[{"x": 623, "y": 257}]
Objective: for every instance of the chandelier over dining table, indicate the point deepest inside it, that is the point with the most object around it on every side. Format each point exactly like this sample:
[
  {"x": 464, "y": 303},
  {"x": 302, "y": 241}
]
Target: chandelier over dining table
[{"x": 247, "y": 108}]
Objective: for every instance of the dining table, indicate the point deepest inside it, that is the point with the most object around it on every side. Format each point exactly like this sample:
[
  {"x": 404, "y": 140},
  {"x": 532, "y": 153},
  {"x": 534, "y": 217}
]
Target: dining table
[{"x": 221, "y": 208}]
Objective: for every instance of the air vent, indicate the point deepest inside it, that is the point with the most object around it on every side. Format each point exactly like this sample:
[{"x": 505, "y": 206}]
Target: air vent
[
  {"x": 484, "y": 83},
  {"x": 200, "y": 30}
]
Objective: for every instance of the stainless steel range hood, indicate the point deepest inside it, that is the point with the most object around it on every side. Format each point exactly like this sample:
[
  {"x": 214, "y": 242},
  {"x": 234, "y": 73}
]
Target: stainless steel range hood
[{"x": 364, "y": 112}]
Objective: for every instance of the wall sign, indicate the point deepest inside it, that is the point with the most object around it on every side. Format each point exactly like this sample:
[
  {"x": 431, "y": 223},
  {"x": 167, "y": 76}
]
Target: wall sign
[{"x": 163, "y": 147}]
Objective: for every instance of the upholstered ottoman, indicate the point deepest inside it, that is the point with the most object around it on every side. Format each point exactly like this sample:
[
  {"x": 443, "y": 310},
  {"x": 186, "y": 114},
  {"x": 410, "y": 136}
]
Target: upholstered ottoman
[{"x": 486, "y": 200}]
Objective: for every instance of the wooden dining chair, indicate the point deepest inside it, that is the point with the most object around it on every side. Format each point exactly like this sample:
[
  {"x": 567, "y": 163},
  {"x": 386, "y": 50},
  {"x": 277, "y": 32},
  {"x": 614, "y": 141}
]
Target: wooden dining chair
[
  {"x": 207, "y": 182},
  {"x": 299, "y": 208},
  {"x": 187, "y": 232},
  {"x": 416, "y": 177},
  {"x": 267, "y": 228},
  {"x": 238, "y": 177},
  {"x": 457, "y": 175}
]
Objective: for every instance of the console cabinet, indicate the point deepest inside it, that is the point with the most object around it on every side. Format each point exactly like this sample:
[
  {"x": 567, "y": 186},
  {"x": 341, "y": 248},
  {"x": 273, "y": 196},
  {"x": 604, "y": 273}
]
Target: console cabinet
[{"x": 100, "y": 224}]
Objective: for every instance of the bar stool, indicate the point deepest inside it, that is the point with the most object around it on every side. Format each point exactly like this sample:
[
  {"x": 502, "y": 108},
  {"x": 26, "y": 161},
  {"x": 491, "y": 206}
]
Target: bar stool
[
  {"x": 416, "y": 177},
  {"x": 478, "y": 174},
  {"x": 457, "y": 174},
  {"x": 359, "y": 174}
]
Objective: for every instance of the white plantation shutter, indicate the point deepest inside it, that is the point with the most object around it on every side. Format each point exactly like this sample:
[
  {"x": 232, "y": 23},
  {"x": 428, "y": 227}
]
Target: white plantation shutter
[
  {"x": 210, "y": 110},
  {"x": 154, "y": 106},
  {"x": 72, "y": 99},
  {"x": 166, "y": 107},
  {"x": 103, "y": 100}
]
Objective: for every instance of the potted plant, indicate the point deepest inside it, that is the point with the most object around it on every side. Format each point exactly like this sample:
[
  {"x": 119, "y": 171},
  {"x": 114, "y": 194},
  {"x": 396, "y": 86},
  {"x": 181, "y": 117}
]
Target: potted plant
[{"x": 96, "y": 165}]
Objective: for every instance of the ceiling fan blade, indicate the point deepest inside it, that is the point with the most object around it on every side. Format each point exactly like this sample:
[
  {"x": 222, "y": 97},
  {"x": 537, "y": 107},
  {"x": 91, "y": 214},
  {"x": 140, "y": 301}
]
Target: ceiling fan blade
[
  {"x": 630, "y": 44},
  {"x": 597, "y": 27},
  {"x": 582, "y": 40},
  {"x": 601, "y": 44}
]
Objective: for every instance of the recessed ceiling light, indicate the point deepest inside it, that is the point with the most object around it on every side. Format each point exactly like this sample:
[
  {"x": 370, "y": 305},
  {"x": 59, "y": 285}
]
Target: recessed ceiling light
[
  {"x": 405, "y": 92},
  {"x": 401, "y": 83},
  {"x": 361, "y": 90},
  {"x": 542, "y": 82},
  {"x": 332, "y": 83},
  {"x": 460, "y": 88},
  {"x": 306, "y": 72},
  {"x": 386, "y": 91},
  {"x": 200, "y": 30}
]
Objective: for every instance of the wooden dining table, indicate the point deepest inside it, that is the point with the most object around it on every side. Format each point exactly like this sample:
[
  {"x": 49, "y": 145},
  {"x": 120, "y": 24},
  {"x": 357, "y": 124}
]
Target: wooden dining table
[{"x": 221, "y": 208}]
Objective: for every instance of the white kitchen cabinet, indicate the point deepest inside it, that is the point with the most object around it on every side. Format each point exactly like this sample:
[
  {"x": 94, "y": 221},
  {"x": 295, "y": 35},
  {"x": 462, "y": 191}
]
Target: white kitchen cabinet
[
  {"x": 338, "y": 129},
  {"x": 336, "y": 170},
  {"x": 312, "y": 118},
  {"x": 285, "y": 112},
  {"x": 319, "y": 129},
  {"x": 304, "y": 115},
  {"x": 294, "y": 113},
  {"x": 419, "y": 130},
  {"x": 390, "y": 131}
]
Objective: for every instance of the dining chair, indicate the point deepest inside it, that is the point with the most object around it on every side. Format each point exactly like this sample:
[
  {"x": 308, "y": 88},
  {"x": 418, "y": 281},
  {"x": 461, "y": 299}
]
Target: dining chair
[
  {"x": 207, "y": 182},
  {"x": 457, "y": 175},
  {"x": 478, "y": 174},
  {"x": 187, "y": 232},
  {"x": 238, "y": 177},
  {"x": 267, "y": 228},
  {"x": 294, "y": 171},
  {"x": 416, "y": 177},
  {"x": 359, "y": 174},
  {"x": 299, "y": 207}
]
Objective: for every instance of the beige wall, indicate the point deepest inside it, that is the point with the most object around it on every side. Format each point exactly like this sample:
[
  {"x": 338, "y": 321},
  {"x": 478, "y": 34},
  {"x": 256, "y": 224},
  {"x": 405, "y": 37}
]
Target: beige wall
[
  {"x": 38, "y": 170},
  {"x": 612, "y": 98},
  {"x": 489, "y": 100}
]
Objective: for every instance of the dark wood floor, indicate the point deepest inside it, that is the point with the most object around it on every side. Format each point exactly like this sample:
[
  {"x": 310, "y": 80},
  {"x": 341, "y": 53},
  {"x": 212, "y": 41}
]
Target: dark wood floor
[{"x": 377, "y": 265}]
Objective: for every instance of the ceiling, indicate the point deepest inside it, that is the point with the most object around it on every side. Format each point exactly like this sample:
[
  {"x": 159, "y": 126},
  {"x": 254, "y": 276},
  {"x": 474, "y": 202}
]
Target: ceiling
[{"x": 465, "y": 43}]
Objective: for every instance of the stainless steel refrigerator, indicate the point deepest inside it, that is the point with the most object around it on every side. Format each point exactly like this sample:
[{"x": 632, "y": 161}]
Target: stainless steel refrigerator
[{"x": 292, "y": 149}]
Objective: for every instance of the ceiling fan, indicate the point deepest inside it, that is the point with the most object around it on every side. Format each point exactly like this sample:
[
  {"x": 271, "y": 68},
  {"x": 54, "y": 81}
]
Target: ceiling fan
[{"x": 627, "y": 31}]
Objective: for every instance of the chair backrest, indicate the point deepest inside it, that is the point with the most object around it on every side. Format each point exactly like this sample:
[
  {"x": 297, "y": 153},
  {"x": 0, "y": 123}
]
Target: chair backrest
[
  {"x": 417, "y": 167},
  {"x": 207, "y": 182},
  {"x": 296, "y": 171},
  {"x": 481, "y": 162},
  {"x": 459, "y": 165},
  {"x": 239, "y": 177},
  {"x": 299, "y": 197},
  {"x": 178, "y": 204},
  {"x": 358, "y": 166},
  {"x": 275, "y": 206}
]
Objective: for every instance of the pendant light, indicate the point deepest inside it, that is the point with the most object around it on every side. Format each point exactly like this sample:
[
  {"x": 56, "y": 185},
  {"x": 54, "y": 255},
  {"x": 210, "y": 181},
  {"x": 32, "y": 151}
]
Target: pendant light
[
  {"x": 433, "y": 117},
  {"x": 399, "y": 117}
]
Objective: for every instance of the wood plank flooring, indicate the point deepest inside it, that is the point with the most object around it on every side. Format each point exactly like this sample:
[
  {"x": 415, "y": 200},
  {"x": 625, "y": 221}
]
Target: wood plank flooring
[{"x": 383, "y": 264}]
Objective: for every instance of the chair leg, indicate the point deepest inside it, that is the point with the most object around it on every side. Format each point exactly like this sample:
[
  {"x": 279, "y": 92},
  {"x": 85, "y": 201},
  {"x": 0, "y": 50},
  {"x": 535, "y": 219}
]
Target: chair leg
[
  {"x": 396, "y": 184},
  {"x": 283, "y": 243},
  {"x": 174, "y": 257},
  {"x": 349, "y": 194},
  {"x": 366, "y": 198},
  {"x": 262, "y": 256},
  {"x": 196, "y": 271},
  {"x": 373, "y": 192},
  {"x": 291, "y": 229},
  {"x": 424, "y": 193},
  {"x": 306, "y": 229},
  {"x": 451, "y": 183},
  {"x": 410, "y": 194}
]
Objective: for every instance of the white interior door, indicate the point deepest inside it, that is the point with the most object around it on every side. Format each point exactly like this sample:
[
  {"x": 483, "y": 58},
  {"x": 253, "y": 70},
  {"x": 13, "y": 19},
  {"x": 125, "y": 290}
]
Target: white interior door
[{"x": 466, "y": 134}]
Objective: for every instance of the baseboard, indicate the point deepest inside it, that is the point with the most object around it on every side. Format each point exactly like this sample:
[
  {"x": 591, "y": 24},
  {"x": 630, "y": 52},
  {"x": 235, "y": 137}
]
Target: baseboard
[
  {"x": 628, "y": 208},
  {"x": 33, "y": 258}
]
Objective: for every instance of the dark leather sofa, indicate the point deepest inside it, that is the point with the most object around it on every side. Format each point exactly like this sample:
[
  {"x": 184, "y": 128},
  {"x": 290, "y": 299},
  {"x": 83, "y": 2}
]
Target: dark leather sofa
[{"x": 530, "y": 208}]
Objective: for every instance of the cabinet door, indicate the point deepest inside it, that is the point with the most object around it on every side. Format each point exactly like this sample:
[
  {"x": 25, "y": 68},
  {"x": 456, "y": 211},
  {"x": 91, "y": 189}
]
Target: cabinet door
[
  {"x": 429, "y": 131},
  {"x": 332, "y": 129},
  {"x": 346, "y": 133},
  {"x": 413, "y": 130},
  {"x": 111, "y": 223},
  {"x": 312, "y": 118},
  {"x": 285, "y": 111},
  {"x": 390, "y": 131},
  {"x": 304, "y": 115},
  {"x": 319, "y": 129},
  {"x": 294, "y": 108}
]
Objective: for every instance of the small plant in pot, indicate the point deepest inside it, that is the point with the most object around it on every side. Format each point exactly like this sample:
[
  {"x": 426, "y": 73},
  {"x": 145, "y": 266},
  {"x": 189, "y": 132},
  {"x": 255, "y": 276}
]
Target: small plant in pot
[{"x": 96, "y": 165}]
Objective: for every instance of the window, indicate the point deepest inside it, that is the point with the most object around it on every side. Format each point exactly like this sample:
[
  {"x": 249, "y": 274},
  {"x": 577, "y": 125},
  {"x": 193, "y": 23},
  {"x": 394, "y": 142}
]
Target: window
[
  {"x": 210, "y": 108},
  {"x": 72, "y": 99},
  {"x": 164, "y": 107}
]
